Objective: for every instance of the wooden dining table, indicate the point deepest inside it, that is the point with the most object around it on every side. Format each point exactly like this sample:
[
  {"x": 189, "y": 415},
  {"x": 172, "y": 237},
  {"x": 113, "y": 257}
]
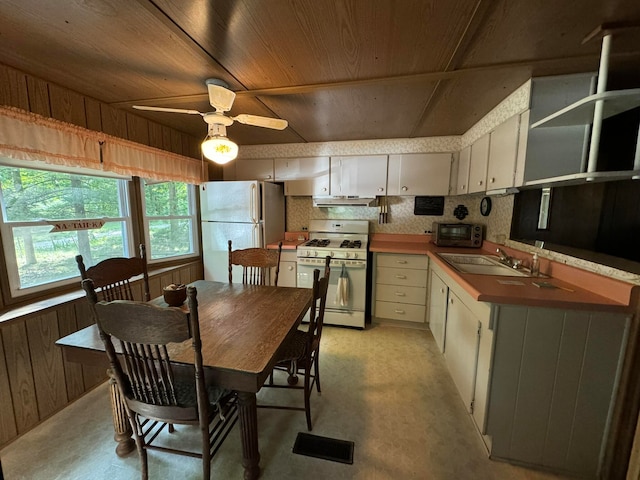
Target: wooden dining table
[{"x": 241, "y": 328}]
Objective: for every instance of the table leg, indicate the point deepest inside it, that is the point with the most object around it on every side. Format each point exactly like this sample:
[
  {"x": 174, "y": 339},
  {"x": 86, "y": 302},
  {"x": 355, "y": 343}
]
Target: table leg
[
  {"x": 248, "y": 413},
  {"x": 121, "y": 424}
]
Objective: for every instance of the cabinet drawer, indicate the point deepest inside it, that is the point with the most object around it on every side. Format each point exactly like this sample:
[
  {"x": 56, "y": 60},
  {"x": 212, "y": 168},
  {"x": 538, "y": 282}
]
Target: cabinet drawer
[
  {"x": 400, "y": 311},
  {"x": 401, "y": 276},
  {"x": 403, "y": 261},
  {"x": 401, "y": 294}
]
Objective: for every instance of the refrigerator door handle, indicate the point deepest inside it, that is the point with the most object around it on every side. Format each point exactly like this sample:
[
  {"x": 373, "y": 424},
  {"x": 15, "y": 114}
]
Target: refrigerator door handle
[
  {"x": 256, "y": 236},
  {"x": 254, "y": 198}
]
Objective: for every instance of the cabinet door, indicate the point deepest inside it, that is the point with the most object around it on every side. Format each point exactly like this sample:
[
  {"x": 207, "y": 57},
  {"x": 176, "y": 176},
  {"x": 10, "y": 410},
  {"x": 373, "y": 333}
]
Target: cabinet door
[
  {"x": 462, "y": 185},
  {"x": 287, "y": 274},
  {"x": 461, "y": 351},
  {"x": 361, "y": 175},
  {"x": 255, "y": 169},
  {"x": 303, "y": 176},
  {"x": 438, "y": 293},
  {"x": 419, "y": 174},
  {"x": 503, "y": 151},
  {"x": 481, "y": 389},
  {"x": 478, "y": 165}
]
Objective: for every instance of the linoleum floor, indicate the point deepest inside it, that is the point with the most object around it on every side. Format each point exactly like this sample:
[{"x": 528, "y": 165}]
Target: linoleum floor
[{"x": 385, "y": 388}]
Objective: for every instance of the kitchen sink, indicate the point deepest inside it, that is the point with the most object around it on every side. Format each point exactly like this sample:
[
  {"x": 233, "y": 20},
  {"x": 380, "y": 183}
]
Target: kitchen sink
[{"x": 481, "y": 264}]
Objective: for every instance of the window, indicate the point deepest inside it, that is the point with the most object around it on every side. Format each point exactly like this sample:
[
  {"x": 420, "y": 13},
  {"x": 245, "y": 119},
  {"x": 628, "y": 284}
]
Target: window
[
  {"x": 43, "y": 230},
  {"x": 170, "y": 220}
]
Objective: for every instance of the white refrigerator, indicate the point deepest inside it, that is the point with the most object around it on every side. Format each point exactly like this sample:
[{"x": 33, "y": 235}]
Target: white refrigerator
[{"x": 250, "y": 214}]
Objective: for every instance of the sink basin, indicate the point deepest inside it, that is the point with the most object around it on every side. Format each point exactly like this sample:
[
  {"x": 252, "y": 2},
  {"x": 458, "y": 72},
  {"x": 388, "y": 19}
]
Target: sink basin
[{"x": 481, "y": 264}]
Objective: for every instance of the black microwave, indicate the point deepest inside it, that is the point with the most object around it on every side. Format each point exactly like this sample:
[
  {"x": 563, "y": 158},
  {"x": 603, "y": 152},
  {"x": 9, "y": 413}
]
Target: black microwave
[{"x": 457, "y": 234}]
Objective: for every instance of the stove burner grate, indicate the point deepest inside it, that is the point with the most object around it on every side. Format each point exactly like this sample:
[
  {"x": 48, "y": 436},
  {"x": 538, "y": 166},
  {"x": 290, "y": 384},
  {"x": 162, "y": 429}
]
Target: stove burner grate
[
  {"x": 351, "y": 244},
  {"x": 318, "y": 242}
]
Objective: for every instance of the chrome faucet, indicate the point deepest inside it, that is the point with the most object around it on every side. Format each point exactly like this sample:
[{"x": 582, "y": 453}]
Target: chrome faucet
[
  {"x": 503, "y": 256},
  {"x": 507, "y": 260}
]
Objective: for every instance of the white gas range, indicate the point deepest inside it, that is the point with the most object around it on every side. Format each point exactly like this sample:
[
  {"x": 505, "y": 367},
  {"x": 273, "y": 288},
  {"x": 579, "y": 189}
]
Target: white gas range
[{"x": 346, "y": 242}]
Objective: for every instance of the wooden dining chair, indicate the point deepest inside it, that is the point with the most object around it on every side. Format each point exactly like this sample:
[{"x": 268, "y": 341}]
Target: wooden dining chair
[
  {"x": 257, "y": 263},
  {"x": 300, "y": 352},
  {"x": 112, "y": 277},
  {"x": 158, "y": 393}
]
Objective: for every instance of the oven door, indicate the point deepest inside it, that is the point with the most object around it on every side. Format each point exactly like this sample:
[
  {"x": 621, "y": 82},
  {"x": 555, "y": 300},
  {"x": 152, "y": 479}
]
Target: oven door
[{"x": 356, "y": 272}]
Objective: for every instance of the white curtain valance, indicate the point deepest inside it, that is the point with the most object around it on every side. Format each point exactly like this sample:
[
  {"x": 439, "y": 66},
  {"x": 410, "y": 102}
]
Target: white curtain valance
[{"x": 28, "y": 136}]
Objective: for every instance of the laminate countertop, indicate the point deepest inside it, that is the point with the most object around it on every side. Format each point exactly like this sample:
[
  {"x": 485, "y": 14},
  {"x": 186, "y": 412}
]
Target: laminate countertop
[
  {"x": 290, "y": 241},
  {"x": 578, "y": 289}
]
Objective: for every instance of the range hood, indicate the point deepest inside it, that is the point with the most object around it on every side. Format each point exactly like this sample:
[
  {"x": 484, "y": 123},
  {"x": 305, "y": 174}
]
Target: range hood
[{"x": 343, "y": 201}]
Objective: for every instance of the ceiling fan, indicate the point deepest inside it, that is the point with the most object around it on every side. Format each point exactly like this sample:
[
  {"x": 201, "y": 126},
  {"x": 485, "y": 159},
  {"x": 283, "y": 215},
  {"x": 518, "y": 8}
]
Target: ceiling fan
[{"x": 217, "y": 146}]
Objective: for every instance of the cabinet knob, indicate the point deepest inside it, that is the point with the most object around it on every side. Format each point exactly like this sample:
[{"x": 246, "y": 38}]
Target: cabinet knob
[
  {"x": 401, "y": 276},
  {"x": 401, "y": 312},
  {"x": 401, "y": 261},
  {"x": 324, "y": 189},
  {"x": 290, "y": 268},
  {"x": 400, "y": 294},
  {"x": 463, "y": 187},
  {"x": 404, "y": 189},
  {"x": 451, "y": 301},
  {"x": 492, "y": 180},
  {"x": 268, "y": 176},
  {"x": 380, "y": 189},
  {"x": 480, "y": 182},
  {"x": 441, "y": 290}
]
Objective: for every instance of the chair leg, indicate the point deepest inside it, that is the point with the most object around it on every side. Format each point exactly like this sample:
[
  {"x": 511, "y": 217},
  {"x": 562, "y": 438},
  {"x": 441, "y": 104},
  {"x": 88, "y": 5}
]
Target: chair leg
[
  {"x": 292, "y": 379},
  {"x": 316, "y": 368},
  {"x": 206, "y": 454},
  {"x": 307, "y": 395},
  {"x": 141, "y": 446}
]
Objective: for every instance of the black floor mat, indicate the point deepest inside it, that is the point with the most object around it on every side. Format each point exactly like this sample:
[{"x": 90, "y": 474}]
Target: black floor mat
[{"x": 324, "y": 447}]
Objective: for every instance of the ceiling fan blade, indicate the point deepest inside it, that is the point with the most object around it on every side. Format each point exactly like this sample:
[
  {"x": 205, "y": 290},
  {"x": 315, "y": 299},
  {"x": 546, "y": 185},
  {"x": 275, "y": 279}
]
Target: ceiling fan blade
[
  {"x": 267, "y": 122},
  {"x": 170, "y": 110},
  {"x": 220, "y": 97}
]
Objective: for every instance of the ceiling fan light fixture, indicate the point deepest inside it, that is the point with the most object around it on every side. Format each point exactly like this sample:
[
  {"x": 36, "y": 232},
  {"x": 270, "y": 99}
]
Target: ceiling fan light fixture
[
  {"x": 220, "y": 150},
  {"x": 217, "y": 147}
]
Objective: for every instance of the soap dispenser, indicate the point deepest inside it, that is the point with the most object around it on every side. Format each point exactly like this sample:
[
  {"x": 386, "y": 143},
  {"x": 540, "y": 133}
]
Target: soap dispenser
[{"x": 535, "y": 265}]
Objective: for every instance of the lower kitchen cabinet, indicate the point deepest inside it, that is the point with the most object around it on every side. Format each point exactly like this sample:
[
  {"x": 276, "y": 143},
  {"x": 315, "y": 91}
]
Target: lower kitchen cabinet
[
  {"x": 438, "y": 295},
  {"x": 401, "y": 287},
  {"x": 540, "y": 383},
  {"x": 463, "y": 328},
  {"x": 287, "y": 275}
]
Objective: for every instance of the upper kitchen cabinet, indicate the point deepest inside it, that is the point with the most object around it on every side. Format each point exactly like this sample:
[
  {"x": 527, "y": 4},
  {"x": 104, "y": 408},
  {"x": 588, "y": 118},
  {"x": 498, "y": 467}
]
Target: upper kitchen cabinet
[
  {"x": 503, "y": 153},
  {"x": 419, "y": 174},
  {"x": 359, "y": 175},
  {"x": 303, "y": 176},
  {"x": 478, "y": 164},
  {"x": 570, "y": 141},
  {"x": 254, "y": 169},
  {"x": 464, "y": 161},
  {"x": 556, "y": 151}
]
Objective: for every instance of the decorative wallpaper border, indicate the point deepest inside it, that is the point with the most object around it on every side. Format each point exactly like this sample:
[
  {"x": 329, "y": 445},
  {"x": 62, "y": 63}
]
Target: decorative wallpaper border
[{"x": 356, "y": 147}]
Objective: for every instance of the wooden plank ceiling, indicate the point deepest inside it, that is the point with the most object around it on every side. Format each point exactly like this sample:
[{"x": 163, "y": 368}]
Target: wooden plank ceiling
[{"x": 336, "y": 70}]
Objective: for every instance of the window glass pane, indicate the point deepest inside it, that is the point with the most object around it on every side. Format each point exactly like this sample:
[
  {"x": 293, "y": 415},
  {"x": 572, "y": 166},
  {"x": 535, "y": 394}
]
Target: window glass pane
[
  {"x": 37, "y": 257},
  {"x": 166, "y": 199},
  {"x": 30, "y": 195},
  {"x": 170, "y": 238},
  {"x": 44, "y": 257},
  {"x": 170, "y": 220}
]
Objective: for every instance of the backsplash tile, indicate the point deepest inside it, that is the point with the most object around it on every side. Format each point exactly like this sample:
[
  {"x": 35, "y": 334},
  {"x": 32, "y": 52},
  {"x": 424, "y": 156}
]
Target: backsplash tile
[{"x": 401, "y": 218}]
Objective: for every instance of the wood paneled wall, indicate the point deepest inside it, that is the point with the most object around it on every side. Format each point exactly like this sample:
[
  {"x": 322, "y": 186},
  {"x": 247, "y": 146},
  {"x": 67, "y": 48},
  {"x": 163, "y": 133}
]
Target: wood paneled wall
[
  {"x": 35, "y": 380},
  {"x": 34, "y": 95}
]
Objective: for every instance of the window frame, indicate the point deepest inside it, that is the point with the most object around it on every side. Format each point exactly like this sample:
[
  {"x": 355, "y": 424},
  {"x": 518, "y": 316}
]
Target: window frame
[
  {"x": 7, "y": 228},
  {"x": 192, "y": 192}
]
